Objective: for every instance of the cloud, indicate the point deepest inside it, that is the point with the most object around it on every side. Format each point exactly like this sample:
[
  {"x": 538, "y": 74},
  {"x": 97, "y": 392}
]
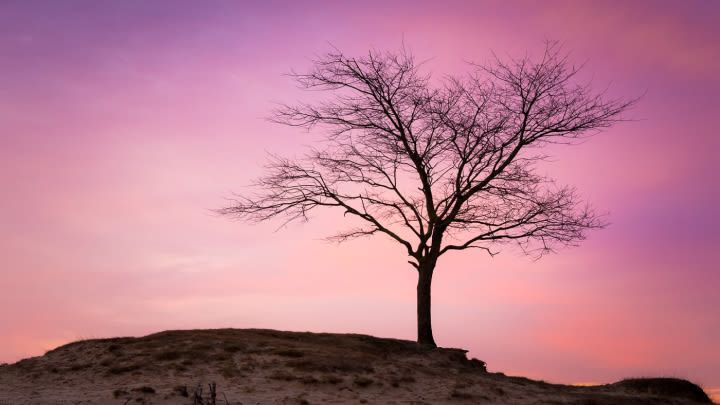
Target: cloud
[{"x": 638, "y": 32}]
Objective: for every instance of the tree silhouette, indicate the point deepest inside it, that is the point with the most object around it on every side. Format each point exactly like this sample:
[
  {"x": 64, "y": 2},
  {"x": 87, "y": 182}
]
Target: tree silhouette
[{"x": 437, "y": 165}]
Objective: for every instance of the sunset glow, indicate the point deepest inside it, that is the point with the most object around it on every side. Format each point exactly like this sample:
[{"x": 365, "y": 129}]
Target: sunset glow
[{"x": 124, "y": 124}]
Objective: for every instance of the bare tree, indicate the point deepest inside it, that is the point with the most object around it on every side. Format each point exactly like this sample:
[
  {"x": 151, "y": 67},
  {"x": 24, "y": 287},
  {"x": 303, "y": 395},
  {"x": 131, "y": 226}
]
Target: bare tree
[{"x": 437, "y": 165}]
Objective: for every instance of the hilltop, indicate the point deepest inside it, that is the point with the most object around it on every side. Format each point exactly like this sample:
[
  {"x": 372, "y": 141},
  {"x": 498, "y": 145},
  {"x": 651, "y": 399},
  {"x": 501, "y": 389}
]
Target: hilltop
[{"x": 255, "y": 366}]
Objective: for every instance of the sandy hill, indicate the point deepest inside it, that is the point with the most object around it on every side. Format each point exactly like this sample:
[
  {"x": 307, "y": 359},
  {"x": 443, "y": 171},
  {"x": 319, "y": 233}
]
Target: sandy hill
[{"x": 250, "y": 366}]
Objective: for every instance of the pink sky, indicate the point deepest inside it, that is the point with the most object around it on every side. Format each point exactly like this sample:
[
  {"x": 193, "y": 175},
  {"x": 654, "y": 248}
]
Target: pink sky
[{"x": 122, "y": 124}]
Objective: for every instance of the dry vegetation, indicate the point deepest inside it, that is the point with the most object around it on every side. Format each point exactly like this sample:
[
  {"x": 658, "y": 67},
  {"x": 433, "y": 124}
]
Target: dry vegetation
[{"x": 270, "y": 367}]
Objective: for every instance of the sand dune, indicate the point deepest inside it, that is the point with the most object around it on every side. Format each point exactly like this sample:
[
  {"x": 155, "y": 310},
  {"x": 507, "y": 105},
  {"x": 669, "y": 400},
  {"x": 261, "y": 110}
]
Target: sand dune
[{"x": 250, "y": 366}]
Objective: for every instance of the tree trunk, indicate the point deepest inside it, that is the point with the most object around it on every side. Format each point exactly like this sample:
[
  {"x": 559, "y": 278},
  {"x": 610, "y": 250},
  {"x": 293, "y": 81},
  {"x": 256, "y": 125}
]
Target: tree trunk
[{"x": 424, "y": 323}]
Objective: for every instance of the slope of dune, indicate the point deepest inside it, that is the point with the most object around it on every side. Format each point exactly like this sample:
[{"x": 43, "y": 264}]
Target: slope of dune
[{"x": 252, "y": 366}]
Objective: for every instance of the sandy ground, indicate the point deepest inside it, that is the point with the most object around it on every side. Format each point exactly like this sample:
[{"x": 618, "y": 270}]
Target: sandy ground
[{"x": 272, "y": 367}]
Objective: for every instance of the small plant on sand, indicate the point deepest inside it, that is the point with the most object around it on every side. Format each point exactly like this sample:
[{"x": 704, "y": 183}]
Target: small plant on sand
[{"x": 211, "y": 398}]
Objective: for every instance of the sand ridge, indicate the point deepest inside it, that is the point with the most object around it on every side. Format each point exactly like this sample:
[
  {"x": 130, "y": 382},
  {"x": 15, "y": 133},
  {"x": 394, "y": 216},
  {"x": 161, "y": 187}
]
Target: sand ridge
[{"x": 256, "y": 366}]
